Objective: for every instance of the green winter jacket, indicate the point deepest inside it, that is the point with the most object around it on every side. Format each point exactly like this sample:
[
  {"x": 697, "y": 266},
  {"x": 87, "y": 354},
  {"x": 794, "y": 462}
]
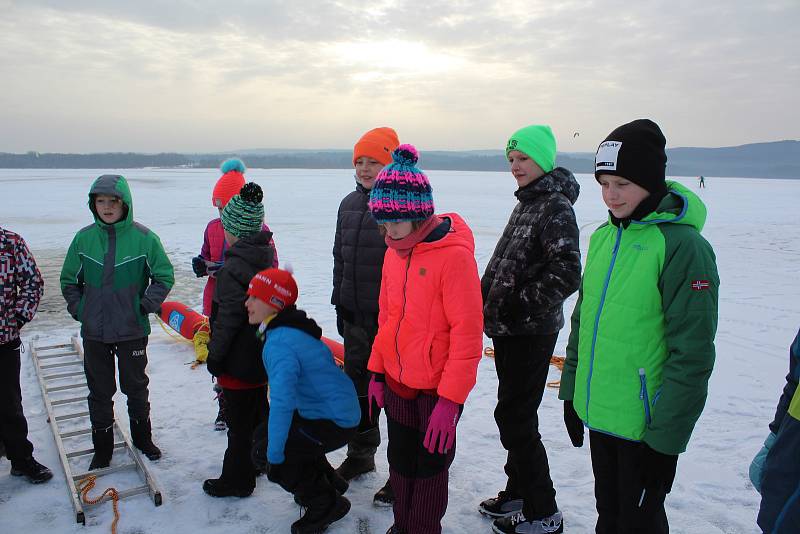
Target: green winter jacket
[
  {"x": 114, "y": 275},
  {"x": 641, "y": 348}
]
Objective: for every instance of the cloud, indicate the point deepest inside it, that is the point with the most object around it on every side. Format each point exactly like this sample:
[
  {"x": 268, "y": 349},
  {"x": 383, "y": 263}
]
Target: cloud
[{"x": 159, "y": 75}]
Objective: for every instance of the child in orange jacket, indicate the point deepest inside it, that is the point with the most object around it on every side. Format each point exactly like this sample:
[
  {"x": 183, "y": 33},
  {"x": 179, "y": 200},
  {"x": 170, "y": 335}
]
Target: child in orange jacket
[{"x": 430, "y": 333}]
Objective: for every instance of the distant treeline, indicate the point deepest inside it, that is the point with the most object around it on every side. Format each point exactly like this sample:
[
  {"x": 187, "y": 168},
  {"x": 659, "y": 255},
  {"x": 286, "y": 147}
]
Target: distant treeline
[
  {"x": 779, "y": 159},
  {"x": 111, "y": 160}
]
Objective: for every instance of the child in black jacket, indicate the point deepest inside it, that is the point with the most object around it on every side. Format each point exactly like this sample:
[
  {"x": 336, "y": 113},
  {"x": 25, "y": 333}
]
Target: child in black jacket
[{"x": 234, "y": 351}]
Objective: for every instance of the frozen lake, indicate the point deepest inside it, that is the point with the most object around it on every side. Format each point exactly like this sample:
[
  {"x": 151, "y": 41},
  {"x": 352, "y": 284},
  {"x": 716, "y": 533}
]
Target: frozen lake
[{"x": 753, "y": 226}]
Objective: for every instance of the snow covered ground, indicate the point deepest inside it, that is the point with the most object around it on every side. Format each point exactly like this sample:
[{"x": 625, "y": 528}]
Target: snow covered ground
[{"x": 753, "y": 227}]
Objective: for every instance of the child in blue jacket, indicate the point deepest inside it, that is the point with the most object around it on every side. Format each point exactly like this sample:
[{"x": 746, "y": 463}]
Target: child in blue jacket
[
  {"x": 775, "y": 471},
  {"x": 313, "y": 405}
]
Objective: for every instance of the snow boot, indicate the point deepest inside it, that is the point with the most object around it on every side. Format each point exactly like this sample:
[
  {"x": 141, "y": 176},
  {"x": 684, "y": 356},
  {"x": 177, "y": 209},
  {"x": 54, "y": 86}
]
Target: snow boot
[
  {"x": 142, "y": 437},
  {"x": 319, "y": 516},
  {"x": 218, "y": 487},
  {"x": 360, "y": 454},
  {"x": 35, "y": 472},
  {"x": 517, "y": 524},
  {"x": 503, "y": 505},
  {"x": 338, "y": 483},
  {"x": 103, "y": 441},
  {"x": 384, "y": 497},
  {"x": 394, "y": 530},
  {"x": 354, "y": 466}
]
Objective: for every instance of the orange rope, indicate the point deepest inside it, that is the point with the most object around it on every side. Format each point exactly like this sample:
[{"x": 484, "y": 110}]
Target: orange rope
[
  {"x": 555, "y": 361},
  {"x": 85, "y": 485}
]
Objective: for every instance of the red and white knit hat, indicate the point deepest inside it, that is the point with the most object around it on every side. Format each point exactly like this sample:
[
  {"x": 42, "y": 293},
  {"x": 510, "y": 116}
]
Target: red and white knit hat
[{"x": 275, "y": 287}]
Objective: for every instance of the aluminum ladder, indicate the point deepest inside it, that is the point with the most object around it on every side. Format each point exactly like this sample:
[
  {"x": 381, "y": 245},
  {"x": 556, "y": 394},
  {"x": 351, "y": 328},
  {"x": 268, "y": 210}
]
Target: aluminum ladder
[{"x": 59, "y": 369}]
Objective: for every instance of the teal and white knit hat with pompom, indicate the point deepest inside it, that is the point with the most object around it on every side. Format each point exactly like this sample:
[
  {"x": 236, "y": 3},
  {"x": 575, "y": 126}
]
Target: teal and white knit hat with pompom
[{"x": 244, "y": 214}]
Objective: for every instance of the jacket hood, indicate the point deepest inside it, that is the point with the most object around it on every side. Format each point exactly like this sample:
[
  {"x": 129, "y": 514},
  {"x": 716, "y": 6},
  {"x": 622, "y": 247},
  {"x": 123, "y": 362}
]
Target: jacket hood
[
  {"x": 254, "y": 249},
  {"x": 559, "y": 180},
  {"x": 459, "y": 235},
  {"x": 296, "y": 318},
  {"x": 679, "y": 206},
  {"x": 116, "y": 186}
]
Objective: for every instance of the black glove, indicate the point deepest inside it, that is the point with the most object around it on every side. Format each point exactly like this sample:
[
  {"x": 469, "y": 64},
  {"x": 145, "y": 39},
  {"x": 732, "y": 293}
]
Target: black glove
[
  {"x": 199, "y": 266},
  {"x": 574, "y": 424},
  {"x": 214, "y": 366},
  {"x": 21, "y": 321},
  {"x": 658, "y": 469}
]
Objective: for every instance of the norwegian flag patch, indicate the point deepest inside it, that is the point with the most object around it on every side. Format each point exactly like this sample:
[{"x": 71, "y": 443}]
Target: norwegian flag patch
[{"x": 700, "y": 285}]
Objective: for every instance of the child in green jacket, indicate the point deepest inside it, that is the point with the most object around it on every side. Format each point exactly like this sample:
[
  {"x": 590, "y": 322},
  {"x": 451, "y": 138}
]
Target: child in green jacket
[
  {"x": 641, "y": 348},
  {"x": 115, "y": 273}
]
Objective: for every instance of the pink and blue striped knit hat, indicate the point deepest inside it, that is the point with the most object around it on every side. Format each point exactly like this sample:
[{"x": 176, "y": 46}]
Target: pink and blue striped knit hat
[{"x": 401, "y": 192}]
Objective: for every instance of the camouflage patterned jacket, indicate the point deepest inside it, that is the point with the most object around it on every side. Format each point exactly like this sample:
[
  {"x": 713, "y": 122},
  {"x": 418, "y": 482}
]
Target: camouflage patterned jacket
[
  {"x": 537, "y": 262},
  {"x": 21, "y": 285}
]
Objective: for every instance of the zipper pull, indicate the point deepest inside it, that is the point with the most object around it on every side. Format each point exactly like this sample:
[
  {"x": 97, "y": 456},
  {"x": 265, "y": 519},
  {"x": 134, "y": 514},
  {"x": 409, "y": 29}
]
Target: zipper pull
[{"x": 641, "y": 381}]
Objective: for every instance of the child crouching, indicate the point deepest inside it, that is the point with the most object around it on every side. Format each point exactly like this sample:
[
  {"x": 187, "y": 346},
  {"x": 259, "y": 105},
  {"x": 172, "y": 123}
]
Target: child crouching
[{"x": 314, "y": 409}]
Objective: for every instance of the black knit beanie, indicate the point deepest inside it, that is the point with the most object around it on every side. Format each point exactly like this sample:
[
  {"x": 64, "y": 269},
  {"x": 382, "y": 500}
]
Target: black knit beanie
[{"x": 635, "y": 151}]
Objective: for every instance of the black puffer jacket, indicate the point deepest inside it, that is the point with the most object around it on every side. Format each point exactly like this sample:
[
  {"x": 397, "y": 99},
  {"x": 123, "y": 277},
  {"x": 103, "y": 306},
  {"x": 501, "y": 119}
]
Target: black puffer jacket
[
  {"x": 537, "y": 262},
  {"x": 358, "y": 251},
  {"x": 234, "y": 348}
]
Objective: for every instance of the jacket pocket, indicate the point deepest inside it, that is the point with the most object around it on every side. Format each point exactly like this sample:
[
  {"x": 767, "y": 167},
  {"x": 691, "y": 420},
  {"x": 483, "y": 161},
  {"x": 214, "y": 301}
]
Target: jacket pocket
[
  {"x": 125, "y": 315},
  {"x": 643, "y": 396},
  {"x": 427, "y": 355},
  {"x": 81, "y": 306},
  {"x": 90, "y": 313}
]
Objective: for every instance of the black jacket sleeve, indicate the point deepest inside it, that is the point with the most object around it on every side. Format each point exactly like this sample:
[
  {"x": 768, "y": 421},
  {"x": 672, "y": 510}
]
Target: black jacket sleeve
[{"x": 228, "y": 315}]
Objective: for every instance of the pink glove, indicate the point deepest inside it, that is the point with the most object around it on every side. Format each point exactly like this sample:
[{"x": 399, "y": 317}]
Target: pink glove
[
  {"x": 375, "y": 393},
  {"x": 442, "y": 426}
]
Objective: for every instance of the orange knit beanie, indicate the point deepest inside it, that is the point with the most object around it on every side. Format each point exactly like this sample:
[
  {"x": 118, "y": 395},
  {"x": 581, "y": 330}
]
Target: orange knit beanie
[{"x": 378, "y": 144}]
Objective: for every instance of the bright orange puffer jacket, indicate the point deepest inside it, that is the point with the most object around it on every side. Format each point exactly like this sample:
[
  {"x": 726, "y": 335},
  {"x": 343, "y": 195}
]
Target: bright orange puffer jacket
[{"x": 430, "y": 331}]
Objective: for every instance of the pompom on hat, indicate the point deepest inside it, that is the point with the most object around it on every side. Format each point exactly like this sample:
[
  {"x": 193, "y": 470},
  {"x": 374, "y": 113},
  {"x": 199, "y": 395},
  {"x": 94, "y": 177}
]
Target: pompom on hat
[
  {"x": 244, "y": 214},
  {"x": 276, "y": 287},
  {"x": 538, "y": 142},
  {"x": 377, "y": 144},
  {"x": 401, "y": 192},
  {"x": 229, "y": 184}
]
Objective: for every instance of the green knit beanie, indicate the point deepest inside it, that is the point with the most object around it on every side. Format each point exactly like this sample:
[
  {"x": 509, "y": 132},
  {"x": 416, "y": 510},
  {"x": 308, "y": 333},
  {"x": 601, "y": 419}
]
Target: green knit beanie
[
  {"x": 244, "y": 214},
  {"x": 538, "y": 142}
]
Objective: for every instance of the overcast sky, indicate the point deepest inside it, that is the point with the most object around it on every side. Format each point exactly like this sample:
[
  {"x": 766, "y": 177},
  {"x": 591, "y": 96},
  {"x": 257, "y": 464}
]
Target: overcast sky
[{"x": 197, "y": 75}]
